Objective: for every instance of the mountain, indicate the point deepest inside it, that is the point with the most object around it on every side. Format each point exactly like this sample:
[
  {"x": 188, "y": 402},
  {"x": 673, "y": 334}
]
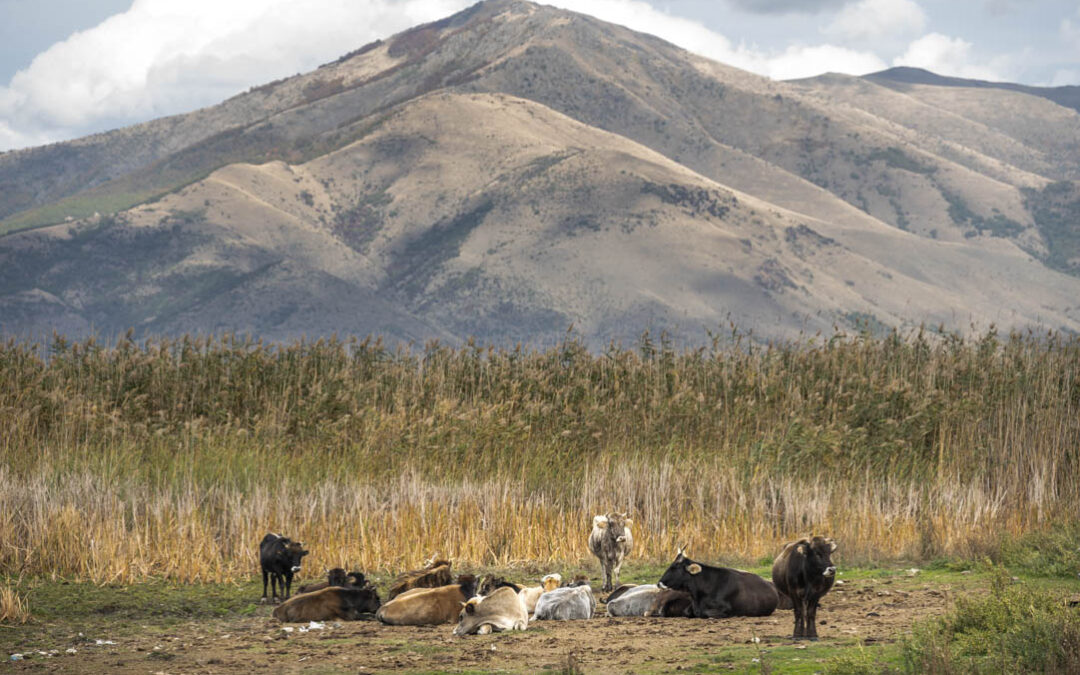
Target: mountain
[{"x": 515, "y": 169}]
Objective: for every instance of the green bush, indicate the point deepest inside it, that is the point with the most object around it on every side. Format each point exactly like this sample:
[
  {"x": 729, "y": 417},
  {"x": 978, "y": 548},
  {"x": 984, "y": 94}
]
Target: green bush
[{"x": 1013, "y": 629}]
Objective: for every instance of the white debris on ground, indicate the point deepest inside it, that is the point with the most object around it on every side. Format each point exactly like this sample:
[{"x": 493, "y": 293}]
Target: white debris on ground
[{"x": 913, "y": 571}]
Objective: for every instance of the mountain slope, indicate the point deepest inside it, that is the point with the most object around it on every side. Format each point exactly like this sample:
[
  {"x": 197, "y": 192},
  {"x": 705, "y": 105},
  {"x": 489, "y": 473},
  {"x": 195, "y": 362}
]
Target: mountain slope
[{"x": 514, "y": 169}]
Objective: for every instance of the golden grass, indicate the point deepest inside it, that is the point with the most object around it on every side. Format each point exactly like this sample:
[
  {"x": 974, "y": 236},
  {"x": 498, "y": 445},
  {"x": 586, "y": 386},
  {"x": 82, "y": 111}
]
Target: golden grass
[
  {"x": 13, "y": 607},
  {"x": 174, "y": 458}
]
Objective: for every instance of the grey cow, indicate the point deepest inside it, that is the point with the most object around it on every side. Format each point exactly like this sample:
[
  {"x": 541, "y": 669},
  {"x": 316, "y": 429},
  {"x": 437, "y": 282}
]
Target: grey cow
[
  {"x": 611, "y": 542},
  {"x": 566, "y": 604},
  {"x": 634, "y": 602}
]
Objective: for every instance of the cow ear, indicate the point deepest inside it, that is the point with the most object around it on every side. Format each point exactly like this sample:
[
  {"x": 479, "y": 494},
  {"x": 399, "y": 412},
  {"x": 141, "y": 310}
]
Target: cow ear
[
  {"x": 694, "y": 568},
  {"x": 470, "y": 608},
  {"x": 599, "y": 521},
  {"x": 832, "y": 545}
]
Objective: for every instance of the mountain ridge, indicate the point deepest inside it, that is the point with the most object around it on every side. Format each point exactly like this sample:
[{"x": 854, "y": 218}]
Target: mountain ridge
[{"x": 514, "y": 169}]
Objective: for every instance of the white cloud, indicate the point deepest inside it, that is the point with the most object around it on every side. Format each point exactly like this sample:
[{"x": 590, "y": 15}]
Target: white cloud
[
  {"x": 1070, "y": 31},
  {"x": 876, "y": 19},
  {"x": 946, "y": 55},
  {"x": 162, "y": 57},
  {"x": 1064, "y": 77}
]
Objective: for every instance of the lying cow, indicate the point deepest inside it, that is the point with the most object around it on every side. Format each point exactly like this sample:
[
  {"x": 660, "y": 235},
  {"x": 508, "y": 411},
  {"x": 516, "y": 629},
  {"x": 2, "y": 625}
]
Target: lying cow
[
  {"x": 720, "y": 592},
  {"x": 500, "y": 611},
  {"x": 632, "y": 601},
  {"x": 338, "y": 577},
  {"x": 566, "y": 604},
  {"x": 611, "y": 541},
  {"x": 669, "y": 602},
  {"x": 434, "y": 574},
  {"x": 428, "y": 606},
  {"x": 804, "y": 572},
  {"x": 331, "y": 603},
  {"x": 279, "y": 558},
  {"x": 334, "y": 577},
  {"x": 530, "y": 594}
]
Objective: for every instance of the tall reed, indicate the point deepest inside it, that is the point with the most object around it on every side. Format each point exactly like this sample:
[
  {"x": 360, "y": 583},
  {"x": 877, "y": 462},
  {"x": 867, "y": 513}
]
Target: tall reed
[{"x": 174, "y": 457}]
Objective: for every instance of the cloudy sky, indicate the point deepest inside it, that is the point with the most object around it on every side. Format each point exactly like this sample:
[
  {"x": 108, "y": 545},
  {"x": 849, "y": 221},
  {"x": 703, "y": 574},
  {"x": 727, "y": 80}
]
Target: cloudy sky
[{"x": 73, "y": 67}]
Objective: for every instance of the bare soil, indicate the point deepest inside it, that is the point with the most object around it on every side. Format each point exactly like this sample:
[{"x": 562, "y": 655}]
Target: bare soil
[{"x": 864, "y": 611}]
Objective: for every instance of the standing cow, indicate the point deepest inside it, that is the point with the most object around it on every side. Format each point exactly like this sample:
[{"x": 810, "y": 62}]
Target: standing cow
[
  {"x": 804, "y": 572},
  {"x": 611, "y": 542},
  {"x": 280, "y": 559}
]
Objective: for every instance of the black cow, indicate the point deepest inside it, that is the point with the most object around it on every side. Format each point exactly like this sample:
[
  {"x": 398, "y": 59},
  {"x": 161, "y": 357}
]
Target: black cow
[
  {"x": 804, "y": 572},
  {"x": 280, "y": 559},
  {"x": 720, "y": 592},
  {"x": 334, "y": 577}
]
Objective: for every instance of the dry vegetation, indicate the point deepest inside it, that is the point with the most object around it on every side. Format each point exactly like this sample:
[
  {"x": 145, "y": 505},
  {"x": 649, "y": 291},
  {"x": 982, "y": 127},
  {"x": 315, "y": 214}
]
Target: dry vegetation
[{"x": 173, "y": 458}]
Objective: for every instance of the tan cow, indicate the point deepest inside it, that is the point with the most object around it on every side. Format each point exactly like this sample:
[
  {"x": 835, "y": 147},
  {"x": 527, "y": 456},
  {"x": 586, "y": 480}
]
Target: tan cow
[
  {"x": 428, "y": 606},
  {"x": 500, "y": 611},
  {"x": 530, "y": 594}
]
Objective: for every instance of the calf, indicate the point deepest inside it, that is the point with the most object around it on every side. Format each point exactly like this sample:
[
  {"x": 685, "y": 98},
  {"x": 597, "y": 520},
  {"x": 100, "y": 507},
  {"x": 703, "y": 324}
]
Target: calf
[
  {"x": 720, "y": 592},
  {"x": 428, "y": 606},
  {"x": 279, "y": 558},
  {"x": 331, "y": 603},
  {"x": 634, "y": 601},
  {"x": 611, "y": 541},
  {"x": 502, "y": 610},
  {"x": 566, "y": 604},
  {"x": 530, "y": 594},
  {"x": 669, "y": 602},
  {"x": 334, "y": 577},
  {"x": 804, "y": 572},
  {"x": 434, "y": 574}
]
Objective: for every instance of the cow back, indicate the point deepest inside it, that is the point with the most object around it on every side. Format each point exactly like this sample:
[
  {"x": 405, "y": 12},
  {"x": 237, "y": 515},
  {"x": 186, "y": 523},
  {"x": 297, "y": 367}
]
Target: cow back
[{"x": 429, "y": 606}]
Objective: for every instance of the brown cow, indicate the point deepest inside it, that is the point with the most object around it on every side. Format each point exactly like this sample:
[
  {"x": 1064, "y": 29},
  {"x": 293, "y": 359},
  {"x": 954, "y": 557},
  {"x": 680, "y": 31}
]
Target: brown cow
[
  {"x": 428, "y": 606},
  {"x": 669, "y": 602},
  {"x": 530, "y": 594},
  {"x": 804, "y": 572},
  {"x": 434, "y": 574},
  {"x": 331, "y": 603}
]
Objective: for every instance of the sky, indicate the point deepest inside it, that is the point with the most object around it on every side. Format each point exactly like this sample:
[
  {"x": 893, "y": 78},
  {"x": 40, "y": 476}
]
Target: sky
[{"x": 69, "y": 68}]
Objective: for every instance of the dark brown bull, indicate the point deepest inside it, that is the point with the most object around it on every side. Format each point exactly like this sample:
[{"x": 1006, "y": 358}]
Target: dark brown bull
[
  {"x": 804, "y": 572},
  {"x": 332, "y": 603},
  {"x": 720, "y": 592},
  {"x": 434, "y": 574}
]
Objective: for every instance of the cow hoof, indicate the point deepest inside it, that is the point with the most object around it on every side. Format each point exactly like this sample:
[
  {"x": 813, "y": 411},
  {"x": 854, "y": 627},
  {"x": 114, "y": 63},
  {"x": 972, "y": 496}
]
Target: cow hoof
[{"x": 263, "y": 601}]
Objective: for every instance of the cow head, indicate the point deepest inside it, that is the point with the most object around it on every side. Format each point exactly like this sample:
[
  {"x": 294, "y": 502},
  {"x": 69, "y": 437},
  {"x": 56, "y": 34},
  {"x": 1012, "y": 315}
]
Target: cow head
[
  {"x": 468, "y": 585},
  {"x": 291, "y": 554},
  {"x": 615, "y": 525},
  {"x": 680, "y": 573},
  {"x": 336, "y": 577},
  {"x": 468, "y": 620},
  {"x": 551, "y": 581},
  {"x": 818, "y": 553}
]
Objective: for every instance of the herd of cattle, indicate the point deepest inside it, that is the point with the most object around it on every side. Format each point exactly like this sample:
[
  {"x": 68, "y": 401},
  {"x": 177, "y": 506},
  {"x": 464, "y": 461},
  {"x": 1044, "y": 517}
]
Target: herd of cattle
[{"x": 801, "y": 575}]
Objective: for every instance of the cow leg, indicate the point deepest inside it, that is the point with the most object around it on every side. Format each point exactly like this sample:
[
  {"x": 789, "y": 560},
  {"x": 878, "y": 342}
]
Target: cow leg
[
  {"x": 811, "y": 620},
  {"x": 800, "y": 625},
  {"x": 288, "y": 584},
  {"x": 617, "y": 569},
  {"x": 275, "y": 586},
  {"x": 266, "y": 576},
  {"x": 607, "y": 579}
]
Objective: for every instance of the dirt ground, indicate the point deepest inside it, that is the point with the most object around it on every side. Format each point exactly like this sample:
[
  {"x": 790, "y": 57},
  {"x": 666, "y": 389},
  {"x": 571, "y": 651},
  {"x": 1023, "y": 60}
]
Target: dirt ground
[{"x": 864, "y": 611}]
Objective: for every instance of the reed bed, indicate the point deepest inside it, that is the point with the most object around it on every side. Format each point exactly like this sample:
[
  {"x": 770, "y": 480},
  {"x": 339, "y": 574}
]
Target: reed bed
[{"x": 173, "y": 457}]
